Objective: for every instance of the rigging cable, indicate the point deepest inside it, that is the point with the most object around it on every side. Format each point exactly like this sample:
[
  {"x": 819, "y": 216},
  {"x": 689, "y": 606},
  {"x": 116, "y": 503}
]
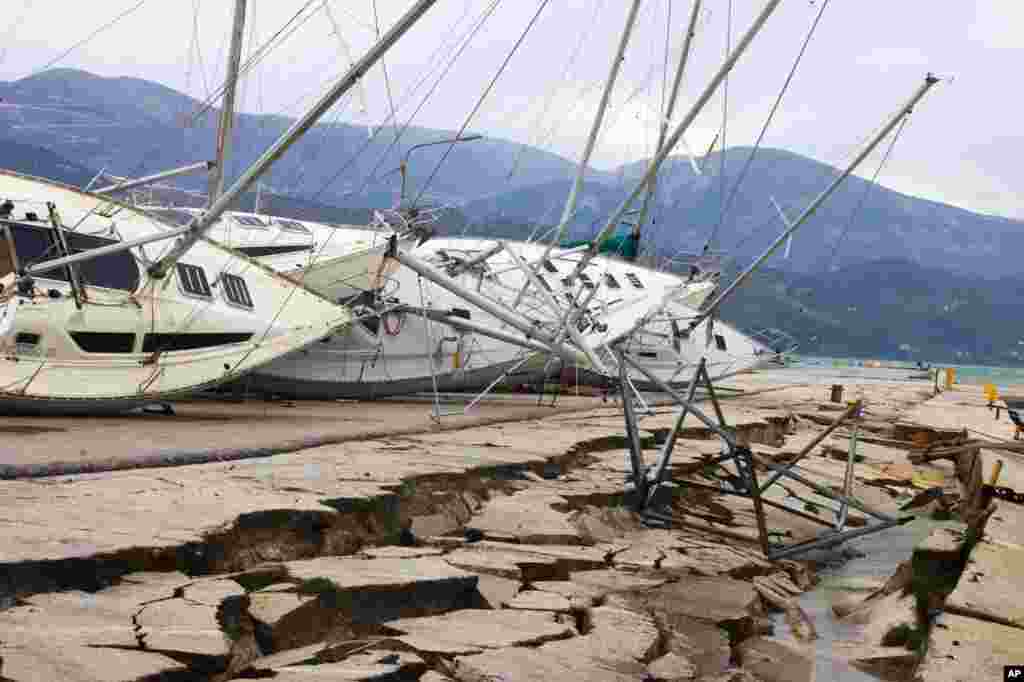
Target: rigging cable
[
  {"x": 771, "y": 115},
  {"x": 92, "y": 35},
  {"x": 198, "y": 46},
  {"x": 371, "y": 177},
  {"x": 383, "y": 64},
  {"x": 725, "y": 121},
  {"x": 573, "y": 56},
  {"x": 864, "y": 195},
  {"x": 483, "y": 97},
  {"x": 828, "y": 173}
]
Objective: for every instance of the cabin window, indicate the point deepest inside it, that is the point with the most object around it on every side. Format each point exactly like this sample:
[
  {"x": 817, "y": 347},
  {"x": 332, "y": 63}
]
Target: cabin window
[
  {"x": 273, "y": 250},
  {"x": 26, "y": 343},
  {"x": 611, "y": 282},
  {"x": 549, "y": 266},
  {"x": 174, "y": 216},
  {"x": 250, "y": 221},
  {"x": 236, "y": 291},
  {"x": 172, "y": 342},
  {"x": 113, "y": 271},
  {"x": 104, "y": 342},
  {"x": 634, "y": 280},
  {"x": 587, "y": 282},
  {"x": 193, "y": 281},
  {"x": 720, "y": 341},
  {"x": 292, "y": 226},
  {"x": 34, "y": 244}
]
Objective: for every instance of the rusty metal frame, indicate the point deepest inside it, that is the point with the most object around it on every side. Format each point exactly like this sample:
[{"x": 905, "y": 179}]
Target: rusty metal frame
[{"x": 643, "y": 482}]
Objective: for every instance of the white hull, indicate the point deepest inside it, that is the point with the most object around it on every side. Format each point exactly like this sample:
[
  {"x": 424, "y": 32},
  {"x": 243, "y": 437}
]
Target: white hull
[
  {"x": 402, "y": 353},
  {"x": 131, "y": 339}
]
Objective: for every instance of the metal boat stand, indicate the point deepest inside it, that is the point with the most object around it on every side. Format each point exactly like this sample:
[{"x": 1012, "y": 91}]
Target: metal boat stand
[{"x": 647, "y": 487}]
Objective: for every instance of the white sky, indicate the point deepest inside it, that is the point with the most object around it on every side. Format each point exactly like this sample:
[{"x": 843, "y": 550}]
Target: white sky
[{"x": 963, "y": 146}]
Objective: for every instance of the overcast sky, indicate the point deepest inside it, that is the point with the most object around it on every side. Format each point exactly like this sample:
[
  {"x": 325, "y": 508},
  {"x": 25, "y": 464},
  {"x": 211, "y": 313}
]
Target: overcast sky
[{"x": 963, "y": 145}]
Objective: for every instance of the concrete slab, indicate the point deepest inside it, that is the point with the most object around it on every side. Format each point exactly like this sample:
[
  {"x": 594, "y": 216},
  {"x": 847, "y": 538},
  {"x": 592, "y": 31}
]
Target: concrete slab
[
  {"x": 513, "y": 565},
  {"x": 211, "y": 592},
  {"x": 616, "y": 635},
  {"x": 374, "y": 665},
  {"x": 84, "y": 664},
  {"x": 992, "y": 574},
  {"x": 777, "y": 660},
  {"x": 496, "y": 591},
  {"x": 179, "y": 625},
  {"x": 207, "y": 430},
  {"x": 962, "y": 649},
  {"x": 530, "y": 518},
  {"x": 539, "y": 600},
  {"x": 347, "y": 573},
  {"x": 472, "y": 631},
  {"x": 1006, "y": 525},
  {"x": 673, "y": 668},
  {"x": 717, "y": 600},
  {"x": 398, "y": 552},
  {"x": 523, "y": 664}
]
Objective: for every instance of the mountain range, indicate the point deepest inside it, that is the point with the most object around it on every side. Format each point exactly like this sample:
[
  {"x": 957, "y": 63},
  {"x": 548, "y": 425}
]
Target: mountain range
[{"x": 871, "y": 271}]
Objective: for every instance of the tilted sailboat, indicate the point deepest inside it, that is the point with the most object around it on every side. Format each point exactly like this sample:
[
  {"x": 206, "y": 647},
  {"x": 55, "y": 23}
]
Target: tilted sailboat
[
  {"x": 414, "y": 336},
  {"x": 104, "y": 333}
]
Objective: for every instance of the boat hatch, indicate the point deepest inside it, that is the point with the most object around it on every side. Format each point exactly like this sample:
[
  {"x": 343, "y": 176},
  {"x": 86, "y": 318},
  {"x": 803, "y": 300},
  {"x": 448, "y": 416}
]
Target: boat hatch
[
  {"x": 192, "y": 280},
  {"x": 236, "y": 291},
  {"x": 174, "y": 216},
  {"x": 250, "y": 221},
  {"x": 293, "y": 226}
]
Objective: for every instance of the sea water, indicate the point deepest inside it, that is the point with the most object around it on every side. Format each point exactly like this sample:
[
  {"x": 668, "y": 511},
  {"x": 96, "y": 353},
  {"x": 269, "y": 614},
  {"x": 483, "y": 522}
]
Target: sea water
[
  {"x": 896, "y": 370},
  {"x": 880, "y": 555}
]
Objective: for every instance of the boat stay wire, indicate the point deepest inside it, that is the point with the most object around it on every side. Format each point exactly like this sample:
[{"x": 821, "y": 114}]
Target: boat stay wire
[
  {"x": 372, "y": 176},
  {"x": 481, "y": 100},
  {"x": 728, "y": 201},
  {"x": 724, "y": 129},
  {"x": 863, "y": 197},
  {"x": 90, "y": 37},
  {"x": 383, "y": 64}
]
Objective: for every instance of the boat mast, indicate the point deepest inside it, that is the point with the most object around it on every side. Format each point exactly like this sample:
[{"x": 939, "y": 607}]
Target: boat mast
[
  {"x": 670, "y": 108},
  {"x": 905, "y": 111},
  {"x": 673, "y": 140},
  {"x": 192, "y": 232},
  {"x": 227, "y": 112},
  {"x": 570, "y": 204}
]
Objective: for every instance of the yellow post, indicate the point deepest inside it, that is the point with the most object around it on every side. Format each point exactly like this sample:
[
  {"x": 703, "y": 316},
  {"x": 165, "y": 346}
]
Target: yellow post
[
  {"x": 950, "y": 376},
  {"x": 996, "y": 470}
]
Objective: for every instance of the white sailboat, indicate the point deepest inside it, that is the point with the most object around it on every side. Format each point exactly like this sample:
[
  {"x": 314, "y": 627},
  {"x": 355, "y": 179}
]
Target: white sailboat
[
  {"x": 401, "y": 343},
  {"x": 105, "y": 307}
]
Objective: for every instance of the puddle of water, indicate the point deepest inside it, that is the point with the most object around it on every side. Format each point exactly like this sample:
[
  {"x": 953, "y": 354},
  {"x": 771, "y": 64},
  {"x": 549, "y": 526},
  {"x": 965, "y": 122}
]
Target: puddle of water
[{"x": 883, "y": 552}]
